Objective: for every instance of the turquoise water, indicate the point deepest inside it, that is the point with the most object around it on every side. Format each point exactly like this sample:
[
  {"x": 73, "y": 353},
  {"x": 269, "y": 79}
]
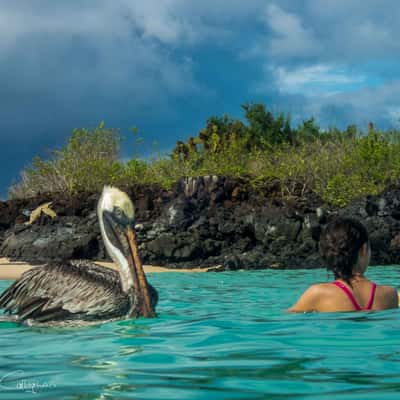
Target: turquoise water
[{"x": 218, "y": 336}]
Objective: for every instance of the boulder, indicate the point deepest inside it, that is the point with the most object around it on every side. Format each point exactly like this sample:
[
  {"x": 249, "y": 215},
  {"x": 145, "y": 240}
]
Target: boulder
[{"x": 43, "y": 243}]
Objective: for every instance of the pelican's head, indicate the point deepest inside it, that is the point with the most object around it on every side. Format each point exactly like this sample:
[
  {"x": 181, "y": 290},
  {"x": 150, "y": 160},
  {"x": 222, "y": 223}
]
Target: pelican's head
[
  {"x": 116, "y": 216},
  {"x": 116, "y": 202}
]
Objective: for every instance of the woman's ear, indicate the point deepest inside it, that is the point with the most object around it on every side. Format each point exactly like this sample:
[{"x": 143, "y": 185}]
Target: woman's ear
[
  {"x": 364, "y": 249},
  {"x": 363, "y": 258}
]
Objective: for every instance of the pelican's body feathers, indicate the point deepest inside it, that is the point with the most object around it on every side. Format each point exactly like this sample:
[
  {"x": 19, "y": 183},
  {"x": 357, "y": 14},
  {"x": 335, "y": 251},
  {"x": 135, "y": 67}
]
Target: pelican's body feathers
[{"x": 80, "y": 292}]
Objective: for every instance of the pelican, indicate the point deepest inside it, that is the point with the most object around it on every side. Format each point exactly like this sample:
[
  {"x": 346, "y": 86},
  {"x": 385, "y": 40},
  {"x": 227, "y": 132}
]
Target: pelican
[{"x": 80, "y": 292}]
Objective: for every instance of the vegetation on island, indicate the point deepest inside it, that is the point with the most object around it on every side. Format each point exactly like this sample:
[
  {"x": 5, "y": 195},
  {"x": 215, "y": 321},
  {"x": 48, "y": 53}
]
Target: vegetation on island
[{"x": 339, "y": 165}]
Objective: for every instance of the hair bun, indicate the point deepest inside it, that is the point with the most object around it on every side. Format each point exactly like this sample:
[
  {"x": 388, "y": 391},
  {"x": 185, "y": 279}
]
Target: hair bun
[{"x": 340, "y": 244}]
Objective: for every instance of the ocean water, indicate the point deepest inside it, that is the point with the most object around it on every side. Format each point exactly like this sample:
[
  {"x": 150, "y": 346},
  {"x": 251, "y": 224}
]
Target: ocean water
[{"x": 218, "y": 336}]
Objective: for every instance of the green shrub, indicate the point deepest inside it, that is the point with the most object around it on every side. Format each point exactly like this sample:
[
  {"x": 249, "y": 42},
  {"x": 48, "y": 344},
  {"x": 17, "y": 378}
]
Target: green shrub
[
  {"x": 341, "y": 188},
  {"x": 338, "y": 165},
  {"x": 89, "y": 160}
]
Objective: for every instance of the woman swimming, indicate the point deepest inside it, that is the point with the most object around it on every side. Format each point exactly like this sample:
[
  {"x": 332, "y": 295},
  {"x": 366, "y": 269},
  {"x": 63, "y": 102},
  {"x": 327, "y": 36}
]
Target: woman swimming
[{"x": 346, "y": 251}]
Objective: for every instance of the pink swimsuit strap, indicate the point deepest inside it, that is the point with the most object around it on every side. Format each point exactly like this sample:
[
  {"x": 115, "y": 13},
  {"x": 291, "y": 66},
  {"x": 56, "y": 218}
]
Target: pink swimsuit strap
[{"x": 350, "y": 295}]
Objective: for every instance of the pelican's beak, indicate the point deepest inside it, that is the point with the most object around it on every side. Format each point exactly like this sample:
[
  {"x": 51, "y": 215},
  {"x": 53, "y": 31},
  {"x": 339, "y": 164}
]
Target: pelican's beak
[
  {"x": 147, "y": 309},
  {"x": 121, "y": 232}
]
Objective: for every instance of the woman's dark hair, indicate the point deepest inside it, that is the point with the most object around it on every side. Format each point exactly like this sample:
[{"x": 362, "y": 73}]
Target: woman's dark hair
[{"x": 340, "y": 244}]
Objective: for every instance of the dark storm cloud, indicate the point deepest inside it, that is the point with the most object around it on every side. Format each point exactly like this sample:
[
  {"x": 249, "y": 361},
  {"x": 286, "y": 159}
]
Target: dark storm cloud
[
  {"x": 65, "y": 65},
  {"x": 165, "y": 66}
]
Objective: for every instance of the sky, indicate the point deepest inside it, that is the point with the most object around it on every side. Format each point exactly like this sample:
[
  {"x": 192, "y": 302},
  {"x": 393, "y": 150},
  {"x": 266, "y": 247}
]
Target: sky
[{"x": 165, "y": 66}]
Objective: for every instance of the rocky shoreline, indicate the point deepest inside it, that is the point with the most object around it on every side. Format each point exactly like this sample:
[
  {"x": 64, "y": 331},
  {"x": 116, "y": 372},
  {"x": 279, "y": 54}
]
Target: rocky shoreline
[{"x": 201, "y": 222}]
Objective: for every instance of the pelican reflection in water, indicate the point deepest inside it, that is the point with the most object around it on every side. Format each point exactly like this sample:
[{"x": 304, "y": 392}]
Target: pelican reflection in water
[{"x": 80, "y": 292}]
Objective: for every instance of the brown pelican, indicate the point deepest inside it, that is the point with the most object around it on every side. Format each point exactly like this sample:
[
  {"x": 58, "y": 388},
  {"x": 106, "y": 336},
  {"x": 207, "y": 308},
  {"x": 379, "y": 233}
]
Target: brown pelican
[{"x": 80, "y": 292}]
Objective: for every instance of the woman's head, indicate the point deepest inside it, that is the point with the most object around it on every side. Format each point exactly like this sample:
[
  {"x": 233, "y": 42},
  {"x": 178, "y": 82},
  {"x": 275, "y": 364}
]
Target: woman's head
[{"x": 344, "y": 247}]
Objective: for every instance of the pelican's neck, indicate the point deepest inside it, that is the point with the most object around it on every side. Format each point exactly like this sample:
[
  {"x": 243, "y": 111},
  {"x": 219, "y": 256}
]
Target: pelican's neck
[{"x": 119, "y": 259}]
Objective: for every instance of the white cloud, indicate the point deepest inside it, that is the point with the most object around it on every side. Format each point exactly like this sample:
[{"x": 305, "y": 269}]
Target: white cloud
[
  {"x": 159, "y": 20},
  {"x": 324, "y": 30},
  {"x": 290, "y": 37},
  {"x": 378, "y": 104},
  {"x": 102, "y": 18},
  {"x": 171, "y": 22},
  {"x": 394, "y": 115},
  {"x": 336, "y": 60},
  {"x": 319, "y": 79},
  {"x": 77, "y": 53}
]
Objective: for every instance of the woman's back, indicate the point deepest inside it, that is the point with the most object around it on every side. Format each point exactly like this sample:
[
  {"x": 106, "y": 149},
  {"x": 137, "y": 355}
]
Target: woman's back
[
  {"x": 358, "y": 295},
  {"x": 345, "y": 248}
]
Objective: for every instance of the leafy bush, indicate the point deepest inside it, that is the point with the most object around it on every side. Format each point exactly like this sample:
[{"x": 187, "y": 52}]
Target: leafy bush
[
  {"x": 337, "y": 165},
  {"x": 89, "y": 160}
]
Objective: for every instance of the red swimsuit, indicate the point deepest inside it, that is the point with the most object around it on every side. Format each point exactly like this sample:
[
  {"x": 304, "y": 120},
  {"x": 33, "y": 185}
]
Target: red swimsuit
[{"x": 353, "y": 300}]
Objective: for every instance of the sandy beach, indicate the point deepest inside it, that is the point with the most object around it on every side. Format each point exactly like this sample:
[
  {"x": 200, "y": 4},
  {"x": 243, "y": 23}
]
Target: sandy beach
[{"x": 14, "y": 269}]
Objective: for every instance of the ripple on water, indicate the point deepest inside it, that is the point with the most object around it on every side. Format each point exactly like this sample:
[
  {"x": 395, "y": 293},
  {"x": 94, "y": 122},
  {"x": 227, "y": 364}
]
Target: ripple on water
[{"x": 219, "y": 336}]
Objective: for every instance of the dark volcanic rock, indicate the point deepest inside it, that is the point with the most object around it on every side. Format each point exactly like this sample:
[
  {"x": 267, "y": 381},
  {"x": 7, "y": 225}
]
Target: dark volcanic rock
[
  {"x": 61, "y": 240},
  {"x": 204, "y": 221}
]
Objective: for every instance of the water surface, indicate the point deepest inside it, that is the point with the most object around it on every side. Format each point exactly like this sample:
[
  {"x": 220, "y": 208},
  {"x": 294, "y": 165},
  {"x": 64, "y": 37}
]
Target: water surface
[{"x": 218, "y": 336}]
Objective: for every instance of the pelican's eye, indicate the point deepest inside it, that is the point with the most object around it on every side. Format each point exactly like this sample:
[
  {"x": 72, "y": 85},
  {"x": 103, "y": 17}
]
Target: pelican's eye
[{"x": 118, "y": 212}]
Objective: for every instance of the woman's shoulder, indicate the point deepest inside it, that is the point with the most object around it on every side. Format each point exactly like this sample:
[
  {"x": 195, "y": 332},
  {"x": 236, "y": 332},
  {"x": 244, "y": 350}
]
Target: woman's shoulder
[
  {"x": 388, "y": 295},
  {"x": 386, "y": 290},
  {"x": 310, "y": 299},
  {"x": 321, "y": 288}
]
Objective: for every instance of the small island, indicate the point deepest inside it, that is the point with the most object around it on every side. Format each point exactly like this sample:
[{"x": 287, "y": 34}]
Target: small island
[{"x": 246, "y": 194}]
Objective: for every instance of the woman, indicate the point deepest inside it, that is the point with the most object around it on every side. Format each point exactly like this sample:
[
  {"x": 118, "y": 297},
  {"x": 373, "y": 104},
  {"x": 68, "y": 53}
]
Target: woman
[{"x": 346, "y": 251}]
